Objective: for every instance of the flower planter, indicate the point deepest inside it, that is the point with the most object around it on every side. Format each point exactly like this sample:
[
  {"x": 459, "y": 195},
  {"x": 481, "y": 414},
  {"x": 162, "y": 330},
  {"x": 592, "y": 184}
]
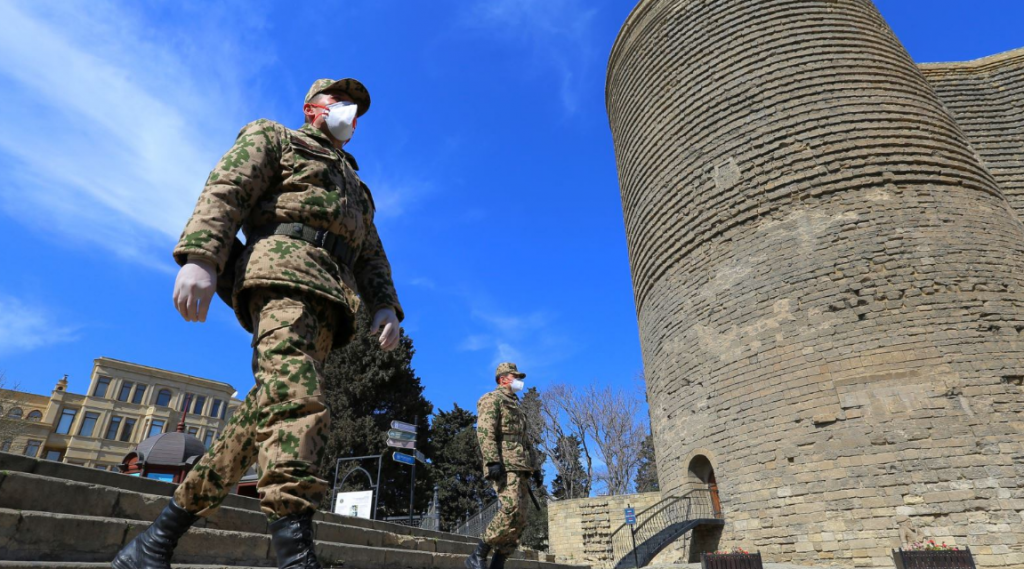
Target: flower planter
[
  {"x": 933, "y": 559},
  {"x": 730, "y": 561}
]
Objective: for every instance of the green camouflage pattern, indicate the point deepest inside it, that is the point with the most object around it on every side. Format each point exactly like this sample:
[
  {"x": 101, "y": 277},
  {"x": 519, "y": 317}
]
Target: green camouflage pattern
[
  {"x": 501, "y": 430},
  {"x": 506, "y": 368},
  {"x": 507, "y": 527},
  {"x": 283, "y": 422},
  {"x": 355, "y": 89},
  {"x": 273, "y": 174}
]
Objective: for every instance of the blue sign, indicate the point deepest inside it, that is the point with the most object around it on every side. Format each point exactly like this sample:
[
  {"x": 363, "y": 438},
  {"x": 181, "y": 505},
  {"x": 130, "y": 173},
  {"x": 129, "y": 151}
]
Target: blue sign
[
  {"x": 403, "y": 458},
  {"x": 631, "y": 516}
]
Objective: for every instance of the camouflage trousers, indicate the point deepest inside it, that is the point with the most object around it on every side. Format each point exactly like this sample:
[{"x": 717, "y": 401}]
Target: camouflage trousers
[
  {"x": 507, "y": 527},
  {"x": 283, "y": 422}
]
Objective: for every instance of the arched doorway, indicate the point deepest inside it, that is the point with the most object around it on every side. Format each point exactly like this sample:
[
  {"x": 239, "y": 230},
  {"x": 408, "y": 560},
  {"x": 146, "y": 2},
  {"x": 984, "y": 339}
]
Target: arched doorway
[{"x": 701, "y": 474}]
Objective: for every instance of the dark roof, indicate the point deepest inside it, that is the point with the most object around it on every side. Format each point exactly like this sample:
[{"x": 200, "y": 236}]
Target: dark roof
[{"x": 170, "y": 449}]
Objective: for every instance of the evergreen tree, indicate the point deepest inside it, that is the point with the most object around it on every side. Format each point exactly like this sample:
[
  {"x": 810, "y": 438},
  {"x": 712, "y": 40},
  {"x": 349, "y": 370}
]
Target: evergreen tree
[
  {"x": 366, "y": 388},
  {"x": 647, "y": 471},
  {"x": 458, "y": 466},
  {"x": 535, "y": 536},
  {"x": 573, "y": 482}
]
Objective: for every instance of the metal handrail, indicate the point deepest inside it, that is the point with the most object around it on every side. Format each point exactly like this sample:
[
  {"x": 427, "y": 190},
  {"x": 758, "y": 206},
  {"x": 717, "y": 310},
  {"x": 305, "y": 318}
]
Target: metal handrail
[
  {"x": 662, "y": 523},
  {"x": 475, "y": 525}
]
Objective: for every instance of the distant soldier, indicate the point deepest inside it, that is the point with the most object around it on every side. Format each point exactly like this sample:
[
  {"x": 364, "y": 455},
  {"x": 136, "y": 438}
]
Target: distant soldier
[
  {"x": 509, "y": 460},
  {"x": 312, "y": 256}
]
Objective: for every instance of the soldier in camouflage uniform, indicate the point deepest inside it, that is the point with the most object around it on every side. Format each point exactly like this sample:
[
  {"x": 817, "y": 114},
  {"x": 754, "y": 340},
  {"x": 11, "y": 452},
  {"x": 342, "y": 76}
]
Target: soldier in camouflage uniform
[
  {"x": 312, "y": 255},
  {"x": 509, "y": 460}
]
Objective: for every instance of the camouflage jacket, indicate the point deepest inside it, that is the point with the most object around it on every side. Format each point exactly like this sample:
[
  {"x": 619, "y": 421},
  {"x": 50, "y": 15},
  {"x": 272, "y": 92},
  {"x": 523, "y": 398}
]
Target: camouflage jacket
[
  {"x": 502, "y": 431},
  {"x": 271, "y": 175}
]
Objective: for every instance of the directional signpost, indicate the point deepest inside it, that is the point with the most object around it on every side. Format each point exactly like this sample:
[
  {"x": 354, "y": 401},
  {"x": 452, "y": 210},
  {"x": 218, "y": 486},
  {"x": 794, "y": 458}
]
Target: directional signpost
[
  {"x": 403, "y": 458},
  {"x": 403, "y": 435},
  {"x": 631, "y": 522}
]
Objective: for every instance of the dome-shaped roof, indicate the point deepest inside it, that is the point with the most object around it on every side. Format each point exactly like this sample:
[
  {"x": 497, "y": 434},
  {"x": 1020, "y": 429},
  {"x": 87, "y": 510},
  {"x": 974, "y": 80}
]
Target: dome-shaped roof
[{"x": 170, "y": 449}]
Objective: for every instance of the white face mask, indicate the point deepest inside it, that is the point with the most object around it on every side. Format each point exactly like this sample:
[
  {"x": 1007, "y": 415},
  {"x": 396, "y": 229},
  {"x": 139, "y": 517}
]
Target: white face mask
[
  {"x": 339, "y": 119},
  {"x": 517, "y": 385}
]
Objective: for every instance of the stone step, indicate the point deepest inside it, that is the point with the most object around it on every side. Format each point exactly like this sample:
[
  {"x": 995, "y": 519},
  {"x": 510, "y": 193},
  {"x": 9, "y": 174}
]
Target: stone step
[
  {"x": 32, "y": 492},
  {"x": 69, "y": 472},
  {"x": 53, "y": 514},
  {"x": 51, "y": 538}
]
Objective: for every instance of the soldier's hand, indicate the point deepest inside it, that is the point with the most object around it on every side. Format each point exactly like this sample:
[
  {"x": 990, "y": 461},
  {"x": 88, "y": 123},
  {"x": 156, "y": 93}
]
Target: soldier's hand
[
  {"x": 387, "y": 319},
  {"x": 495, "y": 471},
  {"x": 193, "y": 290}
]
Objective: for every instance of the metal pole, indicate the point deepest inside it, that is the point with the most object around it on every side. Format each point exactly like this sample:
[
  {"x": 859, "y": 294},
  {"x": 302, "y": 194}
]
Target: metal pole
[
  {"x": 632, "y": 533},
  {"x": 412, "y": 478},
  {"x": 376, "y": 497}
]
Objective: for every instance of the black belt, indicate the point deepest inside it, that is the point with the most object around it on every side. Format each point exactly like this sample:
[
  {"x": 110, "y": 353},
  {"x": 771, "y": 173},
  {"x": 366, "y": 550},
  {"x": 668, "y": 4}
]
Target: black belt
[{"x": 322, "y": 238}]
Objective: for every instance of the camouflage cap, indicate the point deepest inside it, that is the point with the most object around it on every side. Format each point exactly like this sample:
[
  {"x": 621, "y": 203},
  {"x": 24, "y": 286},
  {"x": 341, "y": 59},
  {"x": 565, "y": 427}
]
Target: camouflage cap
[
  {"x": 353, "y": 88},
  {"x": 507, "y": 368}
]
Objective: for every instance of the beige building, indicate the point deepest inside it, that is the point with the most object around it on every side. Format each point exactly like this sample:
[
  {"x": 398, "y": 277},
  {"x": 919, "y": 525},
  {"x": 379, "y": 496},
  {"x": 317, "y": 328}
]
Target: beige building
[{"x": 125, "y": 404}]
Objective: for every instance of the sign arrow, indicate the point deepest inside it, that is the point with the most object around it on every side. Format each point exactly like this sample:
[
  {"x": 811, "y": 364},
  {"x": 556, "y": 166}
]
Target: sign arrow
[
  {"x": 409, "y": 428},
  {"x": 420, "y": 457},
  {"x": 403, "y": 458},
  {"x": 401, "y": 444},
  {"x": 401, "y": 435}
]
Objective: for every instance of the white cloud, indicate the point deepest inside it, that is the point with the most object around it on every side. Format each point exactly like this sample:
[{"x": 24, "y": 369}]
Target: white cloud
[
  {"x": 25, "y": 327},
  {"x": 108, "y": 133},
  {"x": 557, "y": 31}
]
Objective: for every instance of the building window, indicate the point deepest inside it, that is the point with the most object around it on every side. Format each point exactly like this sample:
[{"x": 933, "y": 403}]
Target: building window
[
  {"x": 35, "y": 416},
  {"x": 54, "y": 455},
  {"x": 88, "y": 424},
  {"x": 32, "y": 448},
  {"x": 185, "y": 400},
  {"x": 139, "y": 392},
  {"x": 126, "y": 390},
  {"x": 200, "y": 403},
  {"x": 208, "y": 439},
  {"x": 15, "y": 413},
  {"x": 126, "y": 432},
  {"x": 101, "y": 387},
  {"x": 193, "y": 431},
  {"x": 5, "y": 446},
  {"x": 163, "y": 398},
  {"x": 156, "y": 428},
  {"x": 67, "y": 416},
  {"x": 215, "y": 409},
  {"x": 115, "y": 424},
  {"x": 100, "y": 467}
]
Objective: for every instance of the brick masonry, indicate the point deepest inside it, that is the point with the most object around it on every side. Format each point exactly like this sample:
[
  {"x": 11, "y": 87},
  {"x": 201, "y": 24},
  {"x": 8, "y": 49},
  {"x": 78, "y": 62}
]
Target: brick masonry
[
  {"x": 828, "y": 268},
  {"x": 579, "y": 531}
]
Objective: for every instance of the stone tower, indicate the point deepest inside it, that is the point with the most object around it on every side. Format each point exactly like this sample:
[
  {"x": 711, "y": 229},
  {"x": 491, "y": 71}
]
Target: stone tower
[{"x": 829, "y": 277}]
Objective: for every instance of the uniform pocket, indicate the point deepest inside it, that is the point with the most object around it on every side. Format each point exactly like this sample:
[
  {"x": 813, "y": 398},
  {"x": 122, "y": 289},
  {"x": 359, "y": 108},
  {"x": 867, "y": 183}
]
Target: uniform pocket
[{"x": 275, "y": 314}]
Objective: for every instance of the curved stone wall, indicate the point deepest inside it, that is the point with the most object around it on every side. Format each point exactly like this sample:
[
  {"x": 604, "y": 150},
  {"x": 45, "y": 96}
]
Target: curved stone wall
[{"x": 829, "y": 282}]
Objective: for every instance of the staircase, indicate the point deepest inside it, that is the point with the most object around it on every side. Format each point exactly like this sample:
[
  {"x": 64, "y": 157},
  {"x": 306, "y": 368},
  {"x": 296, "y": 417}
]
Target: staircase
[
  {"x": 661, "y": 525},
  {"x": 61, "y": 516}
]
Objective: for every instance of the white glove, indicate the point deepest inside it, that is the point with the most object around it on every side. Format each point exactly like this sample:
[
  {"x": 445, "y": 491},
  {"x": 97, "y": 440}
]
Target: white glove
[
  {"x": 389, "y": 337},
  {"x": 193, "y": 290}
]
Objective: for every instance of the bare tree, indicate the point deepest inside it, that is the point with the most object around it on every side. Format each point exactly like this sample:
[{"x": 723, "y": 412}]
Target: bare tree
[
  {"x": 12, "y": 419},
  {"x": 563, "y": 422},
  {"x": 609, "y": 425}
]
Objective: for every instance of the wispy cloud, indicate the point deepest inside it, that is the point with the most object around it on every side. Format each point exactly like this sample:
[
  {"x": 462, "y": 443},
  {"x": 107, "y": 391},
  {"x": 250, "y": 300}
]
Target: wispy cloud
[
  {"x": 531, "y": 340},
  {"x": 25, "y": 327},
  {"x": 107, "y": 130},
  {"x": 558, "y": 32}
]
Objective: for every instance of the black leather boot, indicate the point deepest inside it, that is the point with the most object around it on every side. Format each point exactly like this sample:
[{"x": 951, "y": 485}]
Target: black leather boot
[
  {"x": 152, "y": 549},
  {"x": 292, "y": 538},
  {"x": 498, "y": 561},
  {"x": 478, "y": 560}
]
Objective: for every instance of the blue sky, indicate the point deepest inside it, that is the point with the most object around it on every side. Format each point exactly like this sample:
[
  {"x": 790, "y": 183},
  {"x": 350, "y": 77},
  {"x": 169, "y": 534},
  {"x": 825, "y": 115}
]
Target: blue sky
[{"x": 487, "y": 148}]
